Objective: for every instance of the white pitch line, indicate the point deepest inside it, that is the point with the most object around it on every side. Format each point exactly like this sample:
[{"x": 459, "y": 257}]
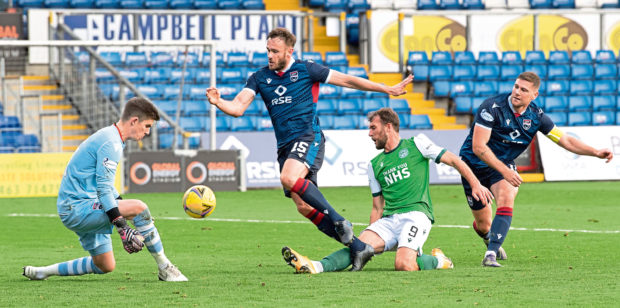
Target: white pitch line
[{"x": 355, "y": 223}]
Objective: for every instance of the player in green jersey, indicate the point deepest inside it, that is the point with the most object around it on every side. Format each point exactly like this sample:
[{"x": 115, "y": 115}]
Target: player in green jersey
[{"x": 402, "y": 211}]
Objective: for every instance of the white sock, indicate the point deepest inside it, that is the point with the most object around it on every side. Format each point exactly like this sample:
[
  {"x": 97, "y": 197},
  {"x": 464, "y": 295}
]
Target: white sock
[
  {"x": 50, "y": 270},
  {"x": 490, "y": 252},
  {"x": 317, "y": 266},
  {"x": 161, "y": 259}
]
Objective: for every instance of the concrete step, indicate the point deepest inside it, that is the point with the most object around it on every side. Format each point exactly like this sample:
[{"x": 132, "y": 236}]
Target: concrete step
[
  {"x": 429, "y": 111},
  {"x": 282, "y": 5},
  {"x": 56, "y": 107},
  {"x": 448, "y": 126},
  {"x": 69, "y": 148},
  {"x": 74, "y": 127},
  {"x": 420, "y": 104},
  {"x": 74, "y": 137}
]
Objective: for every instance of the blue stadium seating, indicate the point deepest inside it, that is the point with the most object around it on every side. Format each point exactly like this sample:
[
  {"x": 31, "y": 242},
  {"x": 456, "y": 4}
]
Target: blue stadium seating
[
  {"x": 205, "y": 4},
  {"x": 229, "y": 4},
  {"x": 203, "y": 76},
  {"x": 238, "y": 59},
  {"x": 605, "y": 56},
  {"x": 253, "y": 5},
  {"x": 581, "y": 87},
  {"x": 229, "y": 91},
  {"x": 485, "y": 88},
  {"x": 358, "y": 71},
  {"x": 56, "y": 3},
  {"x": 135, "y": 59},
  {"x": 558, "y": 71},
  {"x": 349, "y": 106},
  {"x": 369, "y": 105},
  {"x": 510, "y": 72},
  {"x": 195, "y": 92},
  {"x": 462, "y": 105},
  {"x": 441, "y": 88},
  {"x": 30, "y": 3},
  {"x": 169, "y": 107},
  {"x": 556, "y": 104},
  {"x": 326, "y": 107},
  {"x": 362, "y": 122},
  {"x": 196, "y": 107},
  {"x": 579, "y": 103},
  {"x": 335, "y": 6},
  {"x": 440, "y": 72},
  {"x": 134, "y": 75},
  {"x": 420, "y": 121},
  {"x": 581, "y": 57},
  {"x": 464, "y": 57},
  {"x": 352, "y": 26},
  {"x": 316, "y": 3},
  {"x": 112, "y": 57},
  {"x": 538, "y": 69},
  {"x": 358, "y": 6},
  {"x": 314, "y": 56},
  {"x": 151, "y": 91},
  {"x": 540, "y": 102},
  {"x": 346, "y": 122},
  {"x": 254, "y": 108},
  {"x": 511, "y": 58},
  {"x": 346, "y": 92},
  {"x": 177, "y": 74},
  {"x": 336, "y": 58},
  {"x": 232, "y": 75},
  {"x": 222, "y": 123},
  {"x": 461, "y": 88},
  {"x": 27, "y": 143},
  {"x": 604, "y": 103},
  {"x": 450, "y": 5},
  {"x": 326, "y": 121},
  {"x": 579, "y": 118},
  {"x": 329, "y": 91},
  {"x": 582, "y": 71},
  {"x": 488, "y": 58},
  {"x": 563, "y": 4},
  {"x": 206, "y": 59},
  {"x": 156, "y": 75},
  {"x": 404, "y": 120},
  {"x": 192, "y": 124},
  {"x": 428, "y": 5},
  {"x": 487, "y": 72},
  {"x": 190, "y": 59},
  {"x": 603, "y": 118},
  {"x": 399, "y": 105},
  {"x": 259, "y": 59},
  {"x": 241, "y": 124},
  {"x": 541, "y": 4},
  {"x": 475, "y": 103},
  {"x": 81, "y": 4},
  {"x": 156, "y": 4},
  {"x": 558, "y": 57},
  {"x": 107, "y": 4},
  {"x": 161, "y": 59},
  {"x": 558, "y": 118},
  {"x": 419, "y": 65},
  {"x": 441, "y": 58},
  {"x": 605, "y": 71},
  {"x": 464, "y": 72},
  {"x": 181, "y": 4},
  {"x": 535, "y": 57},
  {"x": 506, "y": 86},
  {"x": 263, "y": 123},
  {"x": 132, "y": 4}
]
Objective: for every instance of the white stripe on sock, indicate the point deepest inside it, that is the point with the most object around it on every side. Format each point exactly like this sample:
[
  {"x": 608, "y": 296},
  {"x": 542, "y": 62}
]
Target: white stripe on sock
[{"x": 145, "y": 228}]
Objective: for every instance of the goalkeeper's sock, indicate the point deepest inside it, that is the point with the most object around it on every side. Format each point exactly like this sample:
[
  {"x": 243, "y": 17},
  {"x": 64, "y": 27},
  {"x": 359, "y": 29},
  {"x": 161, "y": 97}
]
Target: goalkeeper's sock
[
  {"x": 311, "y": 195},
  {"x": 80, "y": 266},
  {"x": 500, "y": 227},
  {"x": 152, "y": 241},
  {"x": 427, "y": 262},
  {"x": 324, "y": 224},
  {"x": 336, "y": 261}
]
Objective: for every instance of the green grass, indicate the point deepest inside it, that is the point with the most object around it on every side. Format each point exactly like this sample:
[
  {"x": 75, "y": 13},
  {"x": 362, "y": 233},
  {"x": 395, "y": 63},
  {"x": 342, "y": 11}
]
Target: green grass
[{"x": 239, "y": 264}]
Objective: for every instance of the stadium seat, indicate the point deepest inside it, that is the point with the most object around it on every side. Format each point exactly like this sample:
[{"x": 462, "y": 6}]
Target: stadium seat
[
  {"x": 336, "y": 59},
  {"x": 538, "y": 69},
  {"x": 464, "y": 57},
  {"x": 579, "y": 103},
  {"x": 253, "y": 5},
  {"x": 136, "y": 59},
  {"x": 558, "y": 57},
  {"x": 107, "y": 4},
  {"x": 488, "y": 58},
  {"x": 349, "y": 106},
  {"x": 418, "y": 64},
  {"x": 196, "y": 107},
  {"x": 222, "y": 123},
  {"x": 104, "y": 75},
  {"x": 485, "y": 88},
  {"x": 581, "y": 87},
  {"x": 56, "y": 4},
  {"x": 346, "y": 92},
  {"x": 420, "y": 121},
  {"x": 259, "y": 59},
  {"x": 369, "y": 105},
  {"x": 404, "y": 120},
  {"x": 441, "y": 58},
  {"x": 462, "y": 105},
  {"x": 326, "y": 121},
  {"x": 134, "y": 75},
  {"x": 229, "y": 4},
  {"x": 363, "y": 123},
  {"x": 346, "y": 122},
  {"x": 581, "y": 56},
  {"x": 556, "y": 104},
  {"x": 487, "y": 72},
  {"x": 604, "y": 103},
  {"x": 189, "y": 60},
  {"x": 603, "y": 118},
  {"x": 428, "y": 5},
  {"x": 326, "y": 107},
  {"x": 582, "y": 71},
  {"x": 206, "y": 59},
  {"x": 605, "y": 71},
  {"x": 132, "y": 4},
  {"x": 541, "y": 4},
  {"x": 558, "y": 118},
  {"x": 241, "y": 124},
  {"x": 329, "y": 91},
  {"x": 461, "y": 88},
  {"x": 177, "y": 74},
  {"x": 605, "y": 56},
  {"x": 563, "y": 4},
  {"x": 511, "y": 58},
  {"x": 30, "y": 3},
  {"x": 263, "y": 123},
  {"x": 440, "y": 72},
  {"x": 150, "y": 91},
  {"x": 112, "y": 57},
  {"x": 232, "y": 75},
  {"x": 358, "y": 6},
  {"x": 475, "y": 103},
  {"x": 464, "y": 72},
  {"x": 450, "y": 5},
  {"x": 205, "y": 4},
  {"x": 540, "y": 102},
  {"x": 82, "y": 4},
  {"x": 192, "y": 124},
  {"x": 156, "y": 4},
  {"x": 27, "y": 143},
  {"x": 237, "y": 59},
  {"x": 535, "y": 57},
  {"x": 358, "y": 71},
  {"x": 352, "y": 26},
  {"x": 229, "y": 91},
  {"x": 314, "y": 56},
  {"x": 156, "y": 75},
  {"x": 605, "y": 87},
  {"x": 441, "y": 88},
  {"x": 473, "y": 4},
  {"x": 558, "y": 71},
  {"x": 169, "y": 107},
  {"x": 510, "y": 72},
  {"x": 506, "y": 86},
  {"x": 203, "y": 76},
  {"x": 181, "y": 4},
  {"x": 580, "y": 119},
  {"x": 335, "y": 6},
  {"x": 195, "y": 92},
  {"x": 161, "y": 59},
  {"x": 399, "y": 105}
]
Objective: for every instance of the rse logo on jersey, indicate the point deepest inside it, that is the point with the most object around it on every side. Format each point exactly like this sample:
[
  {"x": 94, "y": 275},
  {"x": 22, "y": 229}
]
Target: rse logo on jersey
[{"x": 280, "y": 90}]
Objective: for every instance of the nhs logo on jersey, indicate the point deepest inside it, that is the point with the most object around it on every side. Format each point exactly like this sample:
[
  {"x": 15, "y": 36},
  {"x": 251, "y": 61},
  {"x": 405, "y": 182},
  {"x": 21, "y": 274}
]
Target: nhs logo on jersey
[{"x": 281, "y": 90}]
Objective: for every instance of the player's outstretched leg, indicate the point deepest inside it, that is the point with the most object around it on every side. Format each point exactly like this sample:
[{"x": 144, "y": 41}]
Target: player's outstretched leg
[
  {"x": 80, "y": 266},
  {"x": 144, "y": 225},
  {"x": 359, "y": 258},
  {"x": 501, "y": 253},
  {"x": 443, "y": 262},
  {"x": 499, "y": 230},
  {"x": 300, "y": 263}
]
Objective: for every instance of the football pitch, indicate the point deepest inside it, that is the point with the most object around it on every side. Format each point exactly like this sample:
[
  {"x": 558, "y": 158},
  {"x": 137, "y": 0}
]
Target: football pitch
[{"x": 563, "y": 250}]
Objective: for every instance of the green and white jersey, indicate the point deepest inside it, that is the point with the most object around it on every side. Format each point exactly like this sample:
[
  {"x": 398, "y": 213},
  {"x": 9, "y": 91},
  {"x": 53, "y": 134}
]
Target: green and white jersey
[{"x": 401, "y": 176}]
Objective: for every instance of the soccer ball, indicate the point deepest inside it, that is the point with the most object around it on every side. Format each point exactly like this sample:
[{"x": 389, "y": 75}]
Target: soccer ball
[{"x": 199, "y": 201}]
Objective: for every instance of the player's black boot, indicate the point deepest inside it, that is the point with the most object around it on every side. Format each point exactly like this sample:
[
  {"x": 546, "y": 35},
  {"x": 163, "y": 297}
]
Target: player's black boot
[
  {"x": 360, "y": 258},
  {"x": 344, "y": 229}
]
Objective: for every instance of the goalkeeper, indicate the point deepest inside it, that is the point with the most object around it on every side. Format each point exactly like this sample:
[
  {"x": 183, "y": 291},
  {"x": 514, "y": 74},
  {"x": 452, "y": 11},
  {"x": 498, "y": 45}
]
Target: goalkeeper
[
  {"x": 402, "y": 211},
  {"x": 89, "y": 205}
]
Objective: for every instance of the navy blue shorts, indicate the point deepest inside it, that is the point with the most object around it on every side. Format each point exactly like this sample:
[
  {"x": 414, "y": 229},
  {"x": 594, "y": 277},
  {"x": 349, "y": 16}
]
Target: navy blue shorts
[
  {"x": 308, "y": 149},
  {"x": 487, "y": 177}
]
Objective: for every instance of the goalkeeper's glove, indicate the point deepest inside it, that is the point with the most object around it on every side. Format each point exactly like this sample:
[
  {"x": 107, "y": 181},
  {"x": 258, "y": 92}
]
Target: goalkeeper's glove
[{"x": 132, "y": 240}]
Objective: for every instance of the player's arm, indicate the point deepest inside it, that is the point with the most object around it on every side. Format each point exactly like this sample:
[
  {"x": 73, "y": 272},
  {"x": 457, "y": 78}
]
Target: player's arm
[
  {"x": 378, "y": 202},
  {"x": 480, "y": 139},
  {"x": 345, "y": 80},
  {"x": 236, "y": 107},
  {"x": 577, "y": 146},
  {"x": 107, "y": 162},
  {"x": 479, "y": 192}
]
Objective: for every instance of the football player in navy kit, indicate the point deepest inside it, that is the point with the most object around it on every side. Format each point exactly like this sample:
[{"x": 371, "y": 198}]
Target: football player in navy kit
[
  {"x": 505, "y": 125},
  {"x": 290, "y": 88}
]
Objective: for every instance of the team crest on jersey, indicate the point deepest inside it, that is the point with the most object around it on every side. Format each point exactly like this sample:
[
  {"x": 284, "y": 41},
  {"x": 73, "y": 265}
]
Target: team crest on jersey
[
  {"x": 294, "y": 76},
  {"x": 527, "y": 124},
  {"x": 486, "y": 115},
  {"x": 268, "y": 80},
  {"x": 403, "y": 153}
]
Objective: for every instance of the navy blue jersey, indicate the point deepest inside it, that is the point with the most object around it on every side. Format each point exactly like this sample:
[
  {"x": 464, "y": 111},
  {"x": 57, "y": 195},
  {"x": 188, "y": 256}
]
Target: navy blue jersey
[
  {"x": 510, "y": 134},
  {"x": 290, "y": 98}
]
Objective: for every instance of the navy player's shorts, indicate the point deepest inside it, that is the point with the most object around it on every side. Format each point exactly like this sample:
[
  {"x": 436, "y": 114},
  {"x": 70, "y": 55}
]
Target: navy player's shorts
[
  {"x": 308, "y": 149},
  {"x": 487, "y": 177}
]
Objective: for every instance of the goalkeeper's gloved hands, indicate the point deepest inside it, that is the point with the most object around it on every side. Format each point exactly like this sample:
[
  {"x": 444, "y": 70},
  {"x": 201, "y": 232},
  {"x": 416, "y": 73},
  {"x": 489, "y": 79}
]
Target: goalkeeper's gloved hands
[{"x": 132, "y": 240}]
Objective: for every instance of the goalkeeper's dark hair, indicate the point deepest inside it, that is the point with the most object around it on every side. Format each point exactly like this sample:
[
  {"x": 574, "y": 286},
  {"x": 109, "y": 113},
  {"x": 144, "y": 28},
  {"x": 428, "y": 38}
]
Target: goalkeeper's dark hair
[
  {"x": 386, "y": 115},
  {"x": 283, "y": 34},
  {"x": 141, "y": 108}
]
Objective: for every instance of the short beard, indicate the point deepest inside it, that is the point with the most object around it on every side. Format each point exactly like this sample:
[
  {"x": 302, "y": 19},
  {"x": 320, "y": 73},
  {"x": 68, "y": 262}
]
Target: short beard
[{"x": 380, "y": 144}]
